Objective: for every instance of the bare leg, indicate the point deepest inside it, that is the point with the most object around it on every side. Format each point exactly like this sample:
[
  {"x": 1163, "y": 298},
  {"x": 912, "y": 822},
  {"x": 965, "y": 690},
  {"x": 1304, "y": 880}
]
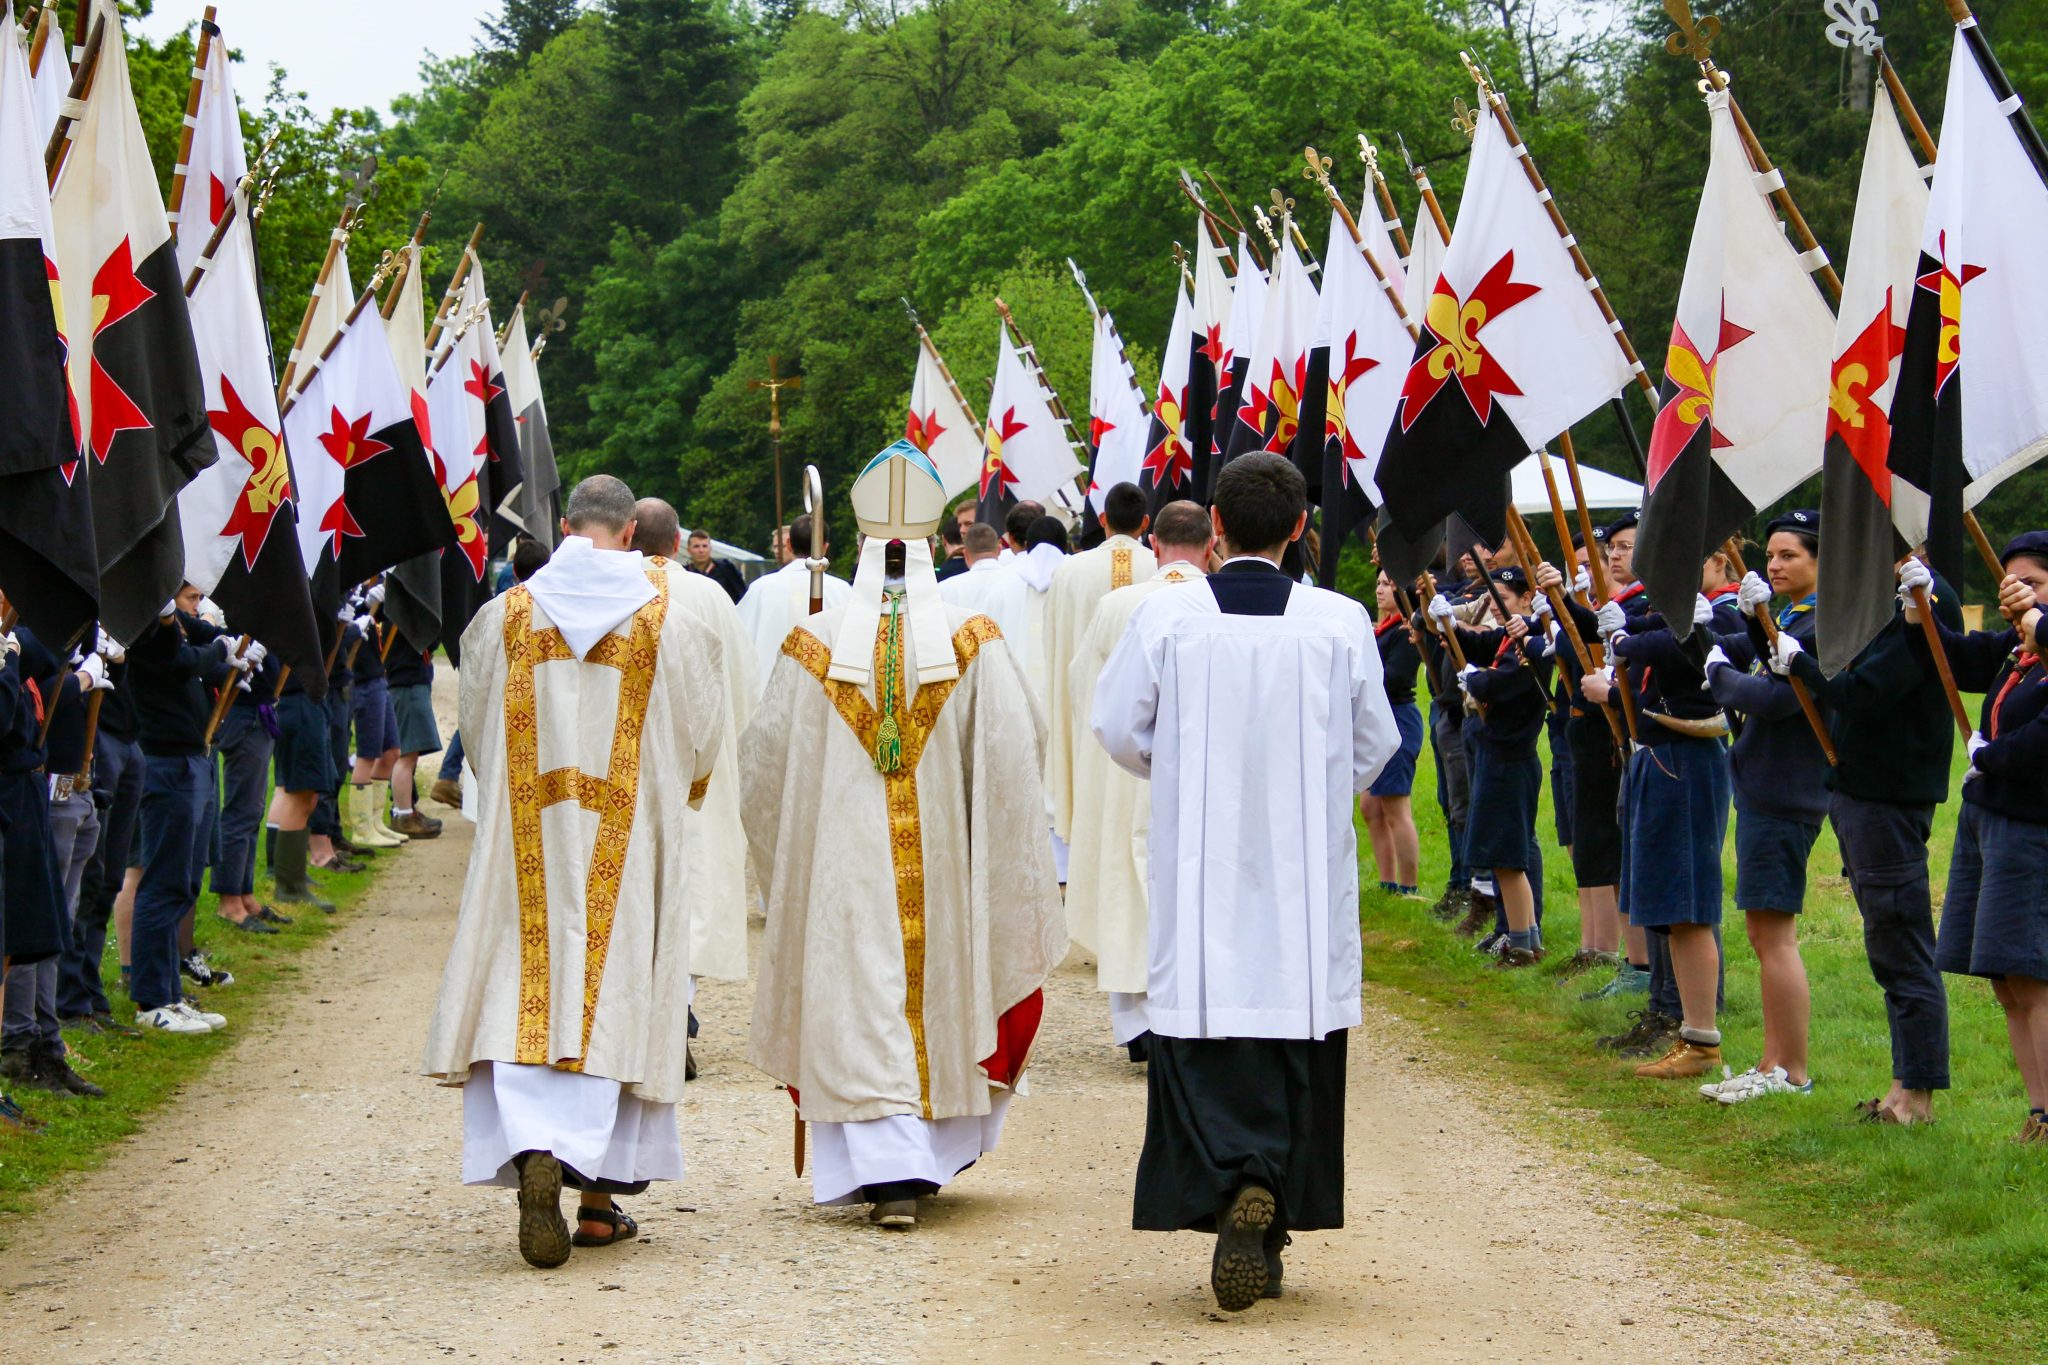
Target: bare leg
[
  {"x": 402, "y": 793},
  {"x": 1785, "y": 1000},
  {"x": 1517, "y": 898},
  {"x": 1374, "y": 809},
  {"x": 1407, "y": 845},
  {"x": 2026, "y": 1021},
  {"x": 124, "y": 914},
  {"x": 1599, "y": 922},
  {"x": 1696, "y": 962},
  {"x": 1638, "y": 943}
]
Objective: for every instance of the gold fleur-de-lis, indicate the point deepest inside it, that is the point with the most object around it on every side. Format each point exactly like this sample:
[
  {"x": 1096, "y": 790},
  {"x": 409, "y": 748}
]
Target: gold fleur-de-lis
[
  {"x": 1317, "y": 169},
  {"x": 1464, "y": 118},
  {"x": 1370, "y": 155},
  {"x": 1695, "y": 37}
]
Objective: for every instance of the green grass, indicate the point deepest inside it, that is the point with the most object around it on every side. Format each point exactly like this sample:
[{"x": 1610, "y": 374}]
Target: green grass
[
  {"x": 1948, "y": 1222},
  {"x": 140, "y": 1074}
]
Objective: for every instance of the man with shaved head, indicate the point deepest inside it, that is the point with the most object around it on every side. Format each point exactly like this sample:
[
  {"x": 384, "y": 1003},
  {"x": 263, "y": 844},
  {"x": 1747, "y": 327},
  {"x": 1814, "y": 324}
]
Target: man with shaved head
[{"x": 593, "y": 713}]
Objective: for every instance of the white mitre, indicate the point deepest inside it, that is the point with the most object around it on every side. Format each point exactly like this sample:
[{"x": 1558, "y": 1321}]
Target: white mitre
[{"x": 899, "y": 496}]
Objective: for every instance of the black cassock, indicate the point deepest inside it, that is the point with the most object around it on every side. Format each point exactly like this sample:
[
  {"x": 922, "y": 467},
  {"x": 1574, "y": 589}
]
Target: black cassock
[{"x": 1224, "y": 1112}]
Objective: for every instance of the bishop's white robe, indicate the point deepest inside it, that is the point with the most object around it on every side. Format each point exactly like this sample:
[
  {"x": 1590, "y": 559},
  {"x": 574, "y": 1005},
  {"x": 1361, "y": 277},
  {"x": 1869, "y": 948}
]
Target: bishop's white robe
[
  {"x": 716, "y": 840},
  {"x": 775, "y": 602},
  {"x": 913, "y": 917},
  {"x": 1112, "y": 820},
  {"x": 1078, "y": 584},
  {"x": 565, "y": 1001},
  {"x": 1256, "y": 731}
]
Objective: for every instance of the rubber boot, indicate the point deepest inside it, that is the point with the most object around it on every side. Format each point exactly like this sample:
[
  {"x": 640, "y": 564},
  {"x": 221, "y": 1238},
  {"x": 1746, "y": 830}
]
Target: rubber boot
[
  {"x": 290, "y": 871},
  {"x": 361, "y": 797},
  {"x": 380, "y": 807},
  {"x": 270, "y": 845}
]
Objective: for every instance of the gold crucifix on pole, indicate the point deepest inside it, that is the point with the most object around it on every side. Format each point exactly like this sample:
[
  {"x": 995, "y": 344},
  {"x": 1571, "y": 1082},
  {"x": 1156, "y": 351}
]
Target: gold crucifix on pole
[{"x": 775, "y": 383}]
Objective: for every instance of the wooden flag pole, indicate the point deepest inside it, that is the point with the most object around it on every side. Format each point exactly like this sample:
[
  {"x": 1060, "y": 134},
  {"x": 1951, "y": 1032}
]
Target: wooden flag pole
[
  {"x": 1218, "y": 226},
  {"x": 1598, "y": 565},
  {"x": 1318, "y": 170},
  {"x": 59, "y": 146},
  {"x": 408, "y": 260},
  {"x": 1932, "y": 630},
  {"x": 226, "y": 698},
  {"x": 1052, "y": 397},
  {"x": 368, "y": 297},
  {"x": 45, "y": 29},
  {"x": 337, "y": 242},
  {"x": 462, "y": 265},
  {"x": 181, "y": 172},
  {"x": 1390, "y": 217},
  {"x": 92, "y": 720},
  {"x": 1770, "y": 629}
]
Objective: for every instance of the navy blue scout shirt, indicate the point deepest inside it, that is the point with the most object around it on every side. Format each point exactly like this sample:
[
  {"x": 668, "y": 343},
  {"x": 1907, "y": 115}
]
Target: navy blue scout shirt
[
  {"x": 32, "y": 679},
  {"x": 1399, "y": 659},
  {"x": 1776, "y": 763},
  {"x": 1666, "y": 674},
  {"x": 171, "y": 669},
  {"x": 2014, "y": 721},
  {"x": 1511, "y": 689}
]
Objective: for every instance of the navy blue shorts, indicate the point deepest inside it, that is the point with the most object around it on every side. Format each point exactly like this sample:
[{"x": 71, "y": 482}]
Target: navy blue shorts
[
  {"x": 1770, "y": 861},
  {"x": 304, "y": 759},
  {"x": 1674, "y": 804},
  {"x": 1398, "y": 777},
  {"x": 376, "y": 726},
  {"x": 1502, "y": 824},
  {"x": 414, "y": 705},
  {"x": 1994, "y": 921}
]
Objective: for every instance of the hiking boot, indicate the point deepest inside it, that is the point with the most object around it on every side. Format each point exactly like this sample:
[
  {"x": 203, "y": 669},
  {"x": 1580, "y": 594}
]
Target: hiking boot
[
  {"x": 1478, "y": 916},
  {"x": 18, "y": 1067},
  {"x": 1683, "y": 1062},
  {"x": 447, "y": 792},
  {"x": 898, "y": 1215},
  {"x": 1455, "y": 901},
  {"x": 1237, "y": 1272},
  {"x": 1511, "y": 956},
  {"x": 1628, "y": 979},
  {"x": 543, "y": 1232},
  {"x": 1648, "y": 1024},
  {"x": 2033, "y": 1133},
  {"x": 1586, "y": 960},
  {"x": 1276, "y": 1241},
  {"x": 413, "y": 825},
  {"x": 54, "y": 1066}
]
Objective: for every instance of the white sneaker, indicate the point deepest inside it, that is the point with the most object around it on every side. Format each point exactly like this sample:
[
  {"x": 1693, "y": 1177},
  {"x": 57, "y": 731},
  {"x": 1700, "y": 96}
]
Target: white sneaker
[
  {"x": 1772, "y": 1082},
  {"x": 1729, "y": 1080},
  {"x": 193, "y": 1012},
  {"x": 169, "y": 1019}
]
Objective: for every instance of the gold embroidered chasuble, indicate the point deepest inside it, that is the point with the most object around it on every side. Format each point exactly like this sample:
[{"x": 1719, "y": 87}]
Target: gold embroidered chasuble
[
  {"x": 906, "y": 910},
  {"x": 572, "y": 946}
]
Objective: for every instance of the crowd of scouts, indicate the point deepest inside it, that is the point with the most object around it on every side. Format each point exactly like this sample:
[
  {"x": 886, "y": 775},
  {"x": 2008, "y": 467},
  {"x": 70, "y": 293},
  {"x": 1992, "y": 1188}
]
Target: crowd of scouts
[{"x": 1651, "y": 748}]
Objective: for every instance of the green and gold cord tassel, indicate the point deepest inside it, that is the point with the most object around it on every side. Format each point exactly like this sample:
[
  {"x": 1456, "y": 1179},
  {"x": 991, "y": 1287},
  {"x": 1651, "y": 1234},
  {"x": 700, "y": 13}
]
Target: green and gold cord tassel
[{"x": 888, "y": 739}]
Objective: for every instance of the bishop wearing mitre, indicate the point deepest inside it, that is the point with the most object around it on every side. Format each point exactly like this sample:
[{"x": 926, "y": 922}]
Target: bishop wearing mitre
[
  {"x": 1112, "y": 809},
  {"x": 1078, "y": 584},
  {"x": 591, "y": 709},
  {"x": 895, "y": 814}
]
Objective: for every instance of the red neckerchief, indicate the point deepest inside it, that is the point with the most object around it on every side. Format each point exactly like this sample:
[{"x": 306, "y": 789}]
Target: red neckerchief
[
  {"x": 1387, "y": 623},
  {"x": 36, "y": 694},
  {"x": 1624, "y": 594},
  {"x": 2022, "y": 664},
  {"x": 1719, "y": 593}
]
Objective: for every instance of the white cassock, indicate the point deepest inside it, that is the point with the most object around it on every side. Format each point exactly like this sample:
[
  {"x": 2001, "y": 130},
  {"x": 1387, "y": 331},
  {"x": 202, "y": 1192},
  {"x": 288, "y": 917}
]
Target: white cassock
[
  {"x": 1112, "y": 820},
  {"x": 592, "y": 709},
  {"x": 1078, "y": 584},
  {"x": 775, "y": 602},
  {"x": 717, "y": 841},
  {"x": 1256, "y": 730},
  {"x": 913, "y": 917},
  {"x": 992, "y": 589},
  {"x": 1036, "y": 568}
]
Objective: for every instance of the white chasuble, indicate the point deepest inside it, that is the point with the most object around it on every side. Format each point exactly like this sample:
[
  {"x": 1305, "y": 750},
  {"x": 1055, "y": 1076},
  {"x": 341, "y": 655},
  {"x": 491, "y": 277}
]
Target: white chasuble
[
  {"x": 1256, "y": 731},
  {"x": 1078, "y": 584},
  {"x": 715, "y": 839},
  {"x": 775, "y": 602},
  {"x": 1112, "y": 810},
  {"x": 572, "y": 947},
  {"x": 913, "y": 915}
]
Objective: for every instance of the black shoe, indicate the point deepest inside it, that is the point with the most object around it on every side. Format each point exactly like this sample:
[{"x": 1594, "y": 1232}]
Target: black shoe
[
  {"x": 18, "y": 1066},
  {"x": 1648, "y": 1026},
  {"x": 252, "y": 924},
  {"x": 83, "y": 1023},
  {"x": 270, "y": 916},
  {"x": 689, "y": 1063},
  {"x": 108, "y": 1024},
  {"x": 1276, "y": 1240},
  {"x": 356, "y": 851},
  {"x": 203, "y": 973},
  {"x": 1237, "y": 1272},
  {"x": 58, "y": 1075}
]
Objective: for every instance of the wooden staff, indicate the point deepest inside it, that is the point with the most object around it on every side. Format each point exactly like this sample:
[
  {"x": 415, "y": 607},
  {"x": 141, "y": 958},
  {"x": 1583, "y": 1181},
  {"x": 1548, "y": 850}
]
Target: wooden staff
[
  {"x": 284, "y": 674},
  {"x": 92, "y": 719},
  {"x": 59, "y": 146},
  {"x": 368, "y": 297},
  {"x": 1220, "y": 228},
  {"x": 1597, "y": 563},
  {"x": 1318, "y": 170},
  {"x": 517, "y": 304},
  {"x": 390, "y": 638},
  {"x": 1390, "y": 217},
  {"x": 337, "y": 242},
  {"x": 180, "y": 173},
  {"x": 226, "y": 698},
  {"x": 1526, "y": 544},
  {"x": 1770, "y": 628},
  {"x": 45, "y": 27},
  {"x": 462, "y": 266},
  {"x": 1566, "y": 550},
  {"x": 1932, "y": 630},
  {"x": 408, "y": 261}
]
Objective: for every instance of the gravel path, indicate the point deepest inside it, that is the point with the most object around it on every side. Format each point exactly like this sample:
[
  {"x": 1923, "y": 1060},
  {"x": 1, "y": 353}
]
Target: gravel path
[{"x": 301, "y": 1204}]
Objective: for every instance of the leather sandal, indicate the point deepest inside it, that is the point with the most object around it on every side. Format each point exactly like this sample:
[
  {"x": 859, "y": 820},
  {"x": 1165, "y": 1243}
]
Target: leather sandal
[{"x": 623, "y": 1228}]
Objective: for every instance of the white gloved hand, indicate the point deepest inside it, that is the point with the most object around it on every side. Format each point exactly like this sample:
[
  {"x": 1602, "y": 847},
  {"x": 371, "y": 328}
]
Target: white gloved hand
[
  {"x": 228, "y": 645},
  {"x": 1610, "y": 619},
  {"x": 365, "y": 626},
  {"x": 242, "y": 683},
  {"x": 1465, "y": 675},
  {"x": 347, "y": 614},
  {"x": 210, "y": 612},
  {"x": 169, "y": 609},
  {"x": 92, "y": 675},
  {"x": 1752, "y": 593},
  {"x": 375, "y": 595},
  {"x": 1702, "y": 610},
  {"x": 1913, "y": 575},
  {"x": 8, "y": 645},
  {"x": 1440, "y": 609},
  {"x": 1971, "y": 747},
  {"x": 1784, "y": 652},
  {"x": 1543, "y": 608},
  {"x": 256, "y": 654},
  {"x": 1582, "y": 581},
  {"x": 1718, "y": 655},
  {"x": 110, "y": 649}
]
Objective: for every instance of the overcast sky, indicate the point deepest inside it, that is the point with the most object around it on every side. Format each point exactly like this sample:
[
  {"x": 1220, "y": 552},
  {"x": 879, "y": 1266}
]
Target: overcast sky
[{"x": 340, "y": 52}]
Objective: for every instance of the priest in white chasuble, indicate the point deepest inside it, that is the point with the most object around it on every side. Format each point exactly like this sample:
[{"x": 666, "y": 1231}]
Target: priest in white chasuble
[
  {"x": 1255, "y": 706},
  {"x": 895, "y": 813},
  {"x": 592, "y": 709},
  {"x": 989, "y": 588},
  {"x": 715, "y": 841},
  {"x": 1112, "y": 809},
  {"x": 1078, "y": 583},
  {"x": 775, "y": 602}
]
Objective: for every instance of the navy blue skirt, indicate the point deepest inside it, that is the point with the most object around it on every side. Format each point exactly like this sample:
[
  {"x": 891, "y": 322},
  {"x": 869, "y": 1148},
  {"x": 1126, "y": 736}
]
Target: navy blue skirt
[
  {"x": 1398, "y": 777},
  {"x": 1994, "y": 921},
  {"x": 1674, "y": 806},
  {"x": 1500, "y": 829}
]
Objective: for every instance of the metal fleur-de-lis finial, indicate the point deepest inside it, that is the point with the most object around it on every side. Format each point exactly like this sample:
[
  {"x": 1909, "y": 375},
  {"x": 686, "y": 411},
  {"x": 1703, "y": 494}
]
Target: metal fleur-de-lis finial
[
  {"x": 1318, "y": 167},
  {"x": 1853, "y": 23},
  {"x": 387, "y": 266},
  {"x": 1695, "y": 37},
  {"x": 1265, "y": 225},
  {"x": 1370, "y": 155},
  {"x": 1464, "y": 118},
  {"x": 1283, "y": 206},
  {"x": 552, "y": 321}
]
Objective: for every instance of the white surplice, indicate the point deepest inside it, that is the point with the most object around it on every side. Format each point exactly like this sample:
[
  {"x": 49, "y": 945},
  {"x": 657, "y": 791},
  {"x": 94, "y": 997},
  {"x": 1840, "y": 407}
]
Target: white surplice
[
  {"x": 990, "y": 588},
  {"x": 717, "y": 842},
  {"x": 775, "y": 602},
  {"x": 1112, "y": 815},
  {"x": 1079, "y": 582},
  {"x": 1256, "y": 732}
]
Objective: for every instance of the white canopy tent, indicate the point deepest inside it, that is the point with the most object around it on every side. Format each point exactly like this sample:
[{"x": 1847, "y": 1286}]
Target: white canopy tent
[{"x": 1603, "y": 490}]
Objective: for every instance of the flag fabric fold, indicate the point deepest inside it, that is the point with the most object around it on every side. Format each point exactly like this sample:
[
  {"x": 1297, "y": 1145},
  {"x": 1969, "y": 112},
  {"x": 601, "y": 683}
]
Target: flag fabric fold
[
  {"x": 539, "y": 498},
  {"x": 1248, "y": 292},
  {"x": 217, "y": 160},
  {"x": 1368, "y": 347},
  {"x": 1742, "y": 412},
  {"x": 1025, "y": 454},
  {"x": 1117, "y": 420},
  {"x": 1166, "y": 471},
  {"x": 939, "y": 426},
  {"x": 1207, "y": 369},
  {"x": 1870, "y": 334}
]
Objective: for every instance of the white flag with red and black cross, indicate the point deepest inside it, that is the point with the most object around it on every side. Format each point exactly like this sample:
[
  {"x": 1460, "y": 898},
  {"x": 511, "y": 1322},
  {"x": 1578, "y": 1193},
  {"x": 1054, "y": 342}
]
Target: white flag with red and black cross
[
  {"x": 1369, "y": 350},
  {"x": 1971, "y": 408},
  {"x": 1276, "y": 376},
  {"x": 1025, "y": 455},
  {"x": 216, "y": 160},
  {"x": 1870, "y": 336},
  {"x": 1513, "y": 350},
  {"x": 1248, "y": 290},
  {"x": 1742, "y": 411},
  {"x": 1167, "y": 470},
  {"x": 1208, "y": 360},
  {"x": 939, "y": 424}
]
